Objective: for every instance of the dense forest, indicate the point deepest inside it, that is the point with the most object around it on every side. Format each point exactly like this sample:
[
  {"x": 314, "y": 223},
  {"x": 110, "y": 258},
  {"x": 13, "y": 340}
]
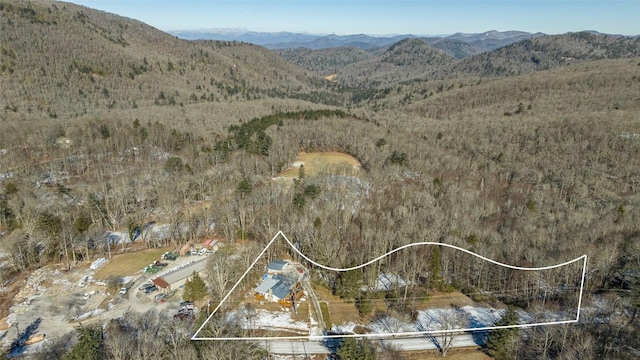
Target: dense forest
[{"x": 107, "y": 124}]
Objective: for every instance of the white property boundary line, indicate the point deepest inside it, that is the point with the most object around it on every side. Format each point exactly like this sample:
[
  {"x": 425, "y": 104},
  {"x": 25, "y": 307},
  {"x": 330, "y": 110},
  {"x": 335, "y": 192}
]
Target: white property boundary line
[{"x": 400, "y": 334}]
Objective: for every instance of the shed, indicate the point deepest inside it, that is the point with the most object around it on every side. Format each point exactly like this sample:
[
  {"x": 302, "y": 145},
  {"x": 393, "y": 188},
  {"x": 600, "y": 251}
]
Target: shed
[
  {"x": 211, "y": 244},
  {"x": 161, "y": 283}
]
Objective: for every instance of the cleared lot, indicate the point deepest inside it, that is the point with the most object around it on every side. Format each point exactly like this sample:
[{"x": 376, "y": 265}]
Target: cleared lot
[
  {"x": 129, "y": 264},
  {"x": 327, "y": 163}
]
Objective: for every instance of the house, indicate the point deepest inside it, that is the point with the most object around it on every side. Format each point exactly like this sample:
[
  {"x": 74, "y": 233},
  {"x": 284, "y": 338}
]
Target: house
[
  {"x": 212, "y": 244},
  {"x": 275, "y": 288},
  {"x": 277, "y": 267}
]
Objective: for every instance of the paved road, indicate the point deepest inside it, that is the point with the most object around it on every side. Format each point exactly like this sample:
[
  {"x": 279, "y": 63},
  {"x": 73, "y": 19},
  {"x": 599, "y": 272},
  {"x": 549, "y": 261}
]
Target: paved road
[{"x": 308, "y": 347}]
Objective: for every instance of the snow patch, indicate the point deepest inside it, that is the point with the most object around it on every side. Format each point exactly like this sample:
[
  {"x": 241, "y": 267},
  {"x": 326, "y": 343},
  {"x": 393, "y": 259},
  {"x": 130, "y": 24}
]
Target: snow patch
[
  {"x": 344, "y": 328},
  {"x": 267, "y": 320},
  {"x": 96, "y": 264},
  {"x": 388, "y": 281},
  {"x": 89, "y": 314}
]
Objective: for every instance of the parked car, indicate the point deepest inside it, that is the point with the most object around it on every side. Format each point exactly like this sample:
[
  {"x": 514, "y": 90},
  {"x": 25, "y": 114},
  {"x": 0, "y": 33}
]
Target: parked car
[
  {"x": 185, "y": 311},
  {"x": 160, "y": 296},
  {"x": 151, "y": 289},
  {"x": 123, "y": 291},
  {"x": 169, "y": 256},
  {"x": 86, "y": 296},
  {"x": 185, "y": 303},
  {"x": 158, "y": 263},
  {"x": 145, "y": 286},
  {"x": 194, "y": 251},
  {"x": 182, "y": 316}
]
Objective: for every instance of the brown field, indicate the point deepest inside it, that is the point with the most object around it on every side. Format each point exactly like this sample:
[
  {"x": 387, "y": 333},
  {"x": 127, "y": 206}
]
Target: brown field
[
  {"x": 445, "y": 299},
  {"x": 130, "y": 263},
  {"x": 454, "y": 354},
  {"x": 319, "y": 163},
  {"x": 340, "y": 311}
]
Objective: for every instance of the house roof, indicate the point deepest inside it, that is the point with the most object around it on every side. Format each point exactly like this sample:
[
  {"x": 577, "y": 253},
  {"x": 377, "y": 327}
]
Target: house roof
[
  {"x": 186, "y": 271},
  {"x": 161, "y": 282},
  {"x": 280, "y": 287},
  {"x": 266, "y": 285},
  {"x": 276, "y": 265},
  {"x": 281, "y": 290}
]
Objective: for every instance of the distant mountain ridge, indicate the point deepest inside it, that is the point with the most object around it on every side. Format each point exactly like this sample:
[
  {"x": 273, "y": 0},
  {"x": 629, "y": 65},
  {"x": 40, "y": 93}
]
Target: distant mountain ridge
[
  {"x": 488, "y": 40},
  {"x": 437, "y": 59}
]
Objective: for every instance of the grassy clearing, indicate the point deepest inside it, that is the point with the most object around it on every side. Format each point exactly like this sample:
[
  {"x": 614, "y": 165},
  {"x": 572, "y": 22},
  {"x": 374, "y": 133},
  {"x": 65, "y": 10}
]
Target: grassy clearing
[
  {"x": 319, "y": 163},
  {"x": 303, "y": 312},
  {"x": 341, "y": 311},
  {"x": 325, "y": 314},
  {"x": 129, "y": 264}
]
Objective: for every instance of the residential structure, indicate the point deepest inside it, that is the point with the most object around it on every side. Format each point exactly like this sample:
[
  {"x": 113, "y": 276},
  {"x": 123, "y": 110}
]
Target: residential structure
[{"x": 281, "y": 282}]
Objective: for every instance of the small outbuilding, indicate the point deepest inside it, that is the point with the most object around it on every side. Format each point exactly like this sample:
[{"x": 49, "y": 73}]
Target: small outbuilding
[{"x": 161, "y": 283}]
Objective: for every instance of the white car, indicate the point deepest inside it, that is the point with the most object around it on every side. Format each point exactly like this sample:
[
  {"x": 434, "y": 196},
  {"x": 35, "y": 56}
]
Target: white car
[
  {"x": 123, "y": 291},
  {"x": 86, "y": 296}
]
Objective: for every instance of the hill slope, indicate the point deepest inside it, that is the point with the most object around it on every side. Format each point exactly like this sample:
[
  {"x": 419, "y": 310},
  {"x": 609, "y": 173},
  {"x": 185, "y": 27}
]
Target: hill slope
[
  {"x": 63, "y": 58},
  {"x": 547, "y": 52},
  {"x": 405, "y": 60}
]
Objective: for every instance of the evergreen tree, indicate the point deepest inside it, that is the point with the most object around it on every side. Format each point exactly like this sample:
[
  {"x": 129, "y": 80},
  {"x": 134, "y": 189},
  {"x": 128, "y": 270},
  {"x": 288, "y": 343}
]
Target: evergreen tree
[
  {"x": 501, "y": 341},
  {"x": 349, "y": 284},
  {"x": 436, "y": 268},
  {"x": 351, "y": 349},
  {"x": 90, "y": 345},
  {"x": 194, "y": 288},
  {"x": 244, "y": 187},
  {"x": 364, "y": 304}
]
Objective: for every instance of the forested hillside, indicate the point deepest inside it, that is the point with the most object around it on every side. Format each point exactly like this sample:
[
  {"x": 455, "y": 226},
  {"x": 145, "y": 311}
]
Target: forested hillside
[
  {"x": 63, "y": 59},
  {"x": 528, "y": 155}
]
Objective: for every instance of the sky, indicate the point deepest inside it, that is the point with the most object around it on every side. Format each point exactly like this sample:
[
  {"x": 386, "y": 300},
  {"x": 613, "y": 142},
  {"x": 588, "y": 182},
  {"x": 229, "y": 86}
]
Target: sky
[{"x": 377, "y": 17}]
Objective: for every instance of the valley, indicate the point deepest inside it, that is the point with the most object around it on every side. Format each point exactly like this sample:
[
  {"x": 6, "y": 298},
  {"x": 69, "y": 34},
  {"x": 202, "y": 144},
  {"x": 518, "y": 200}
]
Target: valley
[{"x": 122, "y": 142}]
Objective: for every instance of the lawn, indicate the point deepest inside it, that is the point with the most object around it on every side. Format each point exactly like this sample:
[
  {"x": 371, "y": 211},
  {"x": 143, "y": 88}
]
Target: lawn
[
  {"x": 130, "y": 263},
  {"x": 340, "y": 311}
]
